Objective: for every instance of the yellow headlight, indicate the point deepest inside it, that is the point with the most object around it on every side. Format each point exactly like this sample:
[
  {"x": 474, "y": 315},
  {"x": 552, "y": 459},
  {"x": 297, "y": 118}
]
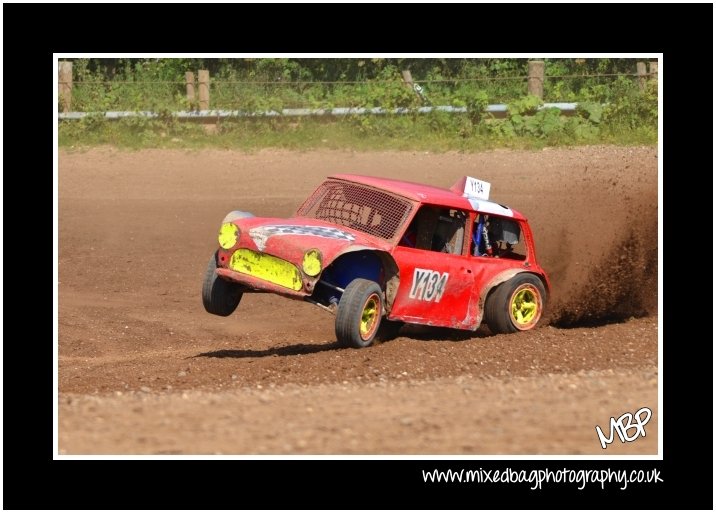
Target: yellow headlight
[
  {"x": 312, "y": 262},
  {"x": 228, "y": 235}
]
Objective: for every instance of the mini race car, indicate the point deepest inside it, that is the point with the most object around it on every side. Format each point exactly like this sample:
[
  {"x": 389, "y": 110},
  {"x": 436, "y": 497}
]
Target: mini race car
[{"x": 379, "y": 253}]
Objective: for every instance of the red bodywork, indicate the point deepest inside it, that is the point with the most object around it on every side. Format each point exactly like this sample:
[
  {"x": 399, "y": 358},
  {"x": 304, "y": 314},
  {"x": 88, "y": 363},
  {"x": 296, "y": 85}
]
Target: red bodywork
[{"x": 421, "y": 286}]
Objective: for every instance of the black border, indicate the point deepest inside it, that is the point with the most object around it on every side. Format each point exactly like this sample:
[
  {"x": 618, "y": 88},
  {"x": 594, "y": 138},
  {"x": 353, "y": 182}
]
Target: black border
[{"x": 33, "y": 480}]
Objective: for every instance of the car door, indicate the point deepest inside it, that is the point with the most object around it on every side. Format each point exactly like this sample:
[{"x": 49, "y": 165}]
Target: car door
[
  {"x": 435, "y": 288},
  {"x": 436, "y": 275}
]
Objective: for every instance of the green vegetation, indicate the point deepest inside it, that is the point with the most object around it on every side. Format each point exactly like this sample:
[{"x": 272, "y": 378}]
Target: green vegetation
[{"x": 613, "y": 109}]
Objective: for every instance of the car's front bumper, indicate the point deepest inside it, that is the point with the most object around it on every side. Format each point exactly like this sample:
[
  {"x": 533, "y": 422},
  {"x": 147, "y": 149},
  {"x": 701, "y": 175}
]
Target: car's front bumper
[
  {"x": 263, "y": 272},
  {"x": 260, "y": 285}
]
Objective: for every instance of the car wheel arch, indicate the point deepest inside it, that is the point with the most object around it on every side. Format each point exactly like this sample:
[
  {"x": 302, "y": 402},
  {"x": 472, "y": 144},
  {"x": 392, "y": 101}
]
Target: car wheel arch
[
  {"x": 390, "y": 275},
  {"x": 498, "y": 280}
]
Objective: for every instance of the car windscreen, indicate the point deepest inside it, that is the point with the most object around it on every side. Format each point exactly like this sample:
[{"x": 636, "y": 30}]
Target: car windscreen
[{"x": 359, "y": 207}]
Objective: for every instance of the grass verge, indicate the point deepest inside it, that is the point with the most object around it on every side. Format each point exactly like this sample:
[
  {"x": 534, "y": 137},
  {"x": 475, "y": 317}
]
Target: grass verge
[{"x": 438, "y": 133}]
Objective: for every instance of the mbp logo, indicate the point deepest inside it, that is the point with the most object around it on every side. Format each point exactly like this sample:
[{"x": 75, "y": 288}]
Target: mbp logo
[{"x": 623, "y": 424}]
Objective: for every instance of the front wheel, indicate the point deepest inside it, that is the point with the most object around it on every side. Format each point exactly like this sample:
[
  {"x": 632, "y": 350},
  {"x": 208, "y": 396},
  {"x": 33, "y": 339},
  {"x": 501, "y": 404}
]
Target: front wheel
[
  {"x": 516, "y": 305},
  {"x": 220, "y": 297},
  {"x": 359, "y": 313}
]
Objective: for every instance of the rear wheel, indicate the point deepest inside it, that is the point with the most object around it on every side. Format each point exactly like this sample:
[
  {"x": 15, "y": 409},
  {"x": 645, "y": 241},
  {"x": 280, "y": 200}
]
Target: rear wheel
[
  {"x": 516, "y": 305},
  {"x": 359, "y": 313},
  {"x": 219, "y": 297}
]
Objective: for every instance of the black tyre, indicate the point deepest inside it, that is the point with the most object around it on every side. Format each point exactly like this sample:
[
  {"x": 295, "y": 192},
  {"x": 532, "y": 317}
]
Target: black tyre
[
  {"x": 359, "y": 313},
  {"x": 219, "y": 297},
  {"x": 516, "y": 305}
]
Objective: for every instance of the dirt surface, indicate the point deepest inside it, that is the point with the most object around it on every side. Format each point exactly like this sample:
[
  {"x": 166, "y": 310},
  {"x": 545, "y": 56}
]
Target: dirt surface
[{"x": 143, "y": 369}]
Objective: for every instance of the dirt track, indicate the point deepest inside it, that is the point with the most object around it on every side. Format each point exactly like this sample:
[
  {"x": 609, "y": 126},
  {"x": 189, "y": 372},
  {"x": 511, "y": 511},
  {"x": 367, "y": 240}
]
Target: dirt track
[{"x": 143, "y": 369}]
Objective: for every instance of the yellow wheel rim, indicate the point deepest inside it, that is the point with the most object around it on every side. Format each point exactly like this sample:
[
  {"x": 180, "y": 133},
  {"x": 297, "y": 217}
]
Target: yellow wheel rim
[
  {"x": 525, "y": 307},
  {"x": 369, "y": 317}
]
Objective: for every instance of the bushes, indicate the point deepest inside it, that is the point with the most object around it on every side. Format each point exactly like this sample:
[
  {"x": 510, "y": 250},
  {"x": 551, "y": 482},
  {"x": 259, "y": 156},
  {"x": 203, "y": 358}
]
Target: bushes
[
  {"x": 150, "y": 84},
  {"x": 613, "y": 110},
  {"x": 631, "y": 120}
]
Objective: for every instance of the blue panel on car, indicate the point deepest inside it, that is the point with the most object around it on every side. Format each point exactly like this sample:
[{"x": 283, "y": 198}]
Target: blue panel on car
[{"x": 362, "y": 264}]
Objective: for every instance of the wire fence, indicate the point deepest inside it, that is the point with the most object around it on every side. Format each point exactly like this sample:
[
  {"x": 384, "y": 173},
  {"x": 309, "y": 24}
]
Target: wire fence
[{"x": 166, "y": 95}]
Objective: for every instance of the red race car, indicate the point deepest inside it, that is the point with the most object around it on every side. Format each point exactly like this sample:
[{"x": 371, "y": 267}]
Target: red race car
[{"x": 378, "y": 253}]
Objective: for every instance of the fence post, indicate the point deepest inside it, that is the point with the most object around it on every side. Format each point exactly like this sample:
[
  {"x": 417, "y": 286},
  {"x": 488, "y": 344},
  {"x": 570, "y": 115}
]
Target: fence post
[
  {"x": 203, "y": 89},
  {"x": 408, "y": 78},
  {"x": 190, "y": 97},
  {"x": 654, "y": 70},
  {"x": 535, "y": 79},
  {"x": 65, "y": 85},
  {"x": 641, "y": 74}
]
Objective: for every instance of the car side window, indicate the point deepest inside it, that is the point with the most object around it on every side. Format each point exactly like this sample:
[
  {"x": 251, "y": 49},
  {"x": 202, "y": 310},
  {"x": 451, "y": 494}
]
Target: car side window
[
  {"x": 436, "y": 229},
  {"x": 497, "y": 237}
]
